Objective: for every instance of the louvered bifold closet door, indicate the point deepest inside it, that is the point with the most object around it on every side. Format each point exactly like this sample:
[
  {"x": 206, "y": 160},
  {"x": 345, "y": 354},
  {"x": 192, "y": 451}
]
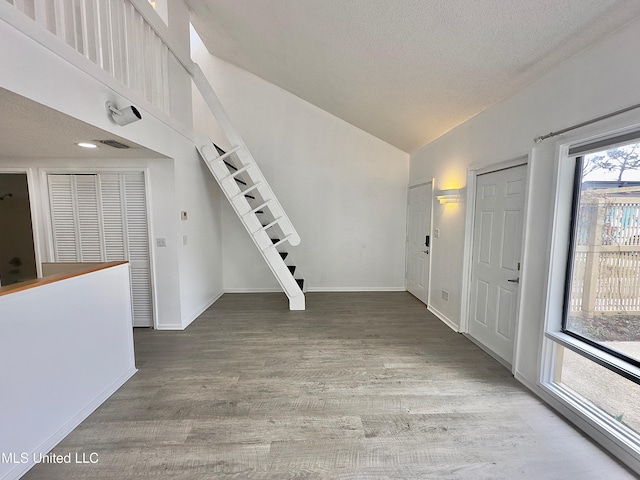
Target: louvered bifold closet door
[
  {"x": 89, "y": 222},
  {"x": 63, "y": 219},
  {"x": 75, "y": 218},
  {"x": 97, "y": 218},
  {"x": 137, "y": 237},
  {"x": 113, "y": 222}
]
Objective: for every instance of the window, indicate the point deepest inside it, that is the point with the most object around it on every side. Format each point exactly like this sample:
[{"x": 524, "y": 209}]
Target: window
[
  {"x": 590, "y": 358},
  {"x": 602, "y": 298}
]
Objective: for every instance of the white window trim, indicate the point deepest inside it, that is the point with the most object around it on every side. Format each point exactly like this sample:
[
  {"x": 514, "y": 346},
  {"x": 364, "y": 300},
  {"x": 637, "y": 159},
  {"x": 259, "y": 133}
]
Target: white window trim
[{"x": 613, "y": 436}]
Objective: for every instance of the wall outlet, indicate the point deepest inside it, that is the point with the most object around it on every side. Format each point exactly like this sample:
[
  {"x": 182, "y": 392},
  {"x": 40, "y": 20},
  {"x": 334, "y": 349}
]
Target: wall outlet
[
  {"x": 436, "y": 233},
  {"x": 184, "y": 239},
  {"x": 445, "y": 295},
  {"x": 161, "y": 242}
]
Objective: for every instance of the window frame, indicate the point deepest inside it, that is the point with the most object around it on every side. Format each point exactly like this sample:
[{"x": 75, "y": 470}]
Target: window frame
[{"x": 600, "y": 426}]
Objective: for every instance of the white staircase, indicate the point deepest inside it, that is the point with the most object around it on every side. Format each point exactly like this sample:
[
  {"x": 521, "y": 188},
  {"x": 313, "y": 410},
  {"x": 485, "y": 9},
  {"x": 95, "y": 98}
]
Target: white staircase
[{"x": 252, "y": 199}]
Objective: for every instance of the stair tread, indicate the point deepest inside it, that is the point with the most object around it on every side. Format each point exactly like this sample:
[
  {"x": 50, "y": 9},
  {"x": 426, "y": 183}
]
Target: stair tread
[
  {"x": 250, "y": 196},
  {"x": 240, "y": 181},
  {"x": 292, "y": 268},
  {"x": 300, "y": 282},
  {"x": 283, "y": 254},
  {"x": 233, "y": 167}
]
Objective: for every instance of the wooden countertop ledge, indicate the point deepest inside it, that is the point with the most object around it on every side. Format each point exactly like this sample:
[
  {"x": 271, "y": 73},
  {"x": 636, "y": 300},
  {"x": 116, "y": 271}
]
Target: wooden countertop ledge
[{"x": 38, "y": 282}]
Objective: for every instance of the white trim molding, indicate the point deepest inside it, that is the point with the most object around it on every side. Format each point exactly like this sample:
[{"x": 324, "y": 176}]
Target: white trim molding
[
  {"x": 355, "y": 289},
  {"x": 446, "y": 320}
]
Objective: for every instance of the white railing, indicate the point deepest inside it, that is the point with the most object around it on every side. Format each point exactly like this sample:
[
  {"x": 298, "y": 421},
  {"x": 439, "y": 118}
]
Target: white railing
[{"x": 115, "y": 36}]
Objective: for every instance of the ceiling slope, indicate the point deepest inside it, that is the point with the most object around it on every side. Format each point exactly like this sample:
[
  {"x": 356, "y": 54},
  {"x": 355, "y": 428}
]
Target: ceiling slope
[{"x": 406, "y": 71}]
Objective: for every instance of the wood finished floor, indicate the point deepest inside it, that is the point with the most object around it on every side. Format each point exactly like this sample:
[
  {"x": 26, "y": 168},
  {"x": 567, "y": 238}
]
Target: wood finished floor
[{"x": 359, "y": 386}]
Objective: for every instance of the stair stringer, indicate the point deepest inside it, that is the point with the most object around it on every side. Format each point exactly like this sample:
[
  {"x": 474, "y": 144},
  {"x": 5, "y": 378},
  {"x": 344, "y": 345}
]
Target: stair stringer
[{"x": 248, "y": 214}]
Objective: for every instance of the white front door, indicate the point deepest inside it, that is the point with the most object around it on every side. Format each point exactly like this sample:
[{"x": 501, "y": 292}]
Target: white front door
[
  {"x": 495, "y": 270},
  {"x": 418, "y": 229}
]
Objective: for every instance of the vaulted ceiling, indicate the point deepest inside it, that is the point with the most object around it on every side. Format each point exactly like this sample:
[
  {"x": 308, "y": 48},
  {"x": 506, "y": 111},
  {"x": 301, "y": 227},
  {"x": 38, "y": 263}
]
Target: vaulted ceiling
[{"x": 406, "y": 71}]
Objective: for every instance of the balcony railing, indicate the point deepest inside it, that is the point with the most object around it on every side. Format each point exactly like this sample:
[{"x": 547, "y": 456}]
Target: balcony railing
[{"x": 115, "y": 36}]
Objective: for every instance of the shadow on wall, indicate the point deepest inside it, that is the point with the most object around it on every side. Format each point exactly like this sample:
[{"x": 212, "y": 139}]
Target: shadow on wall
[{"x": 17, "y": 255}]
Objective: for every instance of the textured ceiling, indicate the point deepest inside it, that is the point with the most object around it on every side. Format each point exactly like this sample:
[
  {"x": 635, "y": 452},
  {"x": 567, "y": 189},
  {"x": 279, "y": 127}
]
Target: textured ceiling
[
  {"x": 32, "y": 130},
  {"x": 406, "y": 71}
]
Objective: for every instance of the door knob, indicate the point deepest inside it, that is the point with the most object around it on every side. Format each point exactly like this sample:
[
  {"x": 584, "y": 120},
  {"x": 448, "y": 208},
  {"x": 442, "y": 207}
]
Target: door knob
[{"x": 514, "y": 280}]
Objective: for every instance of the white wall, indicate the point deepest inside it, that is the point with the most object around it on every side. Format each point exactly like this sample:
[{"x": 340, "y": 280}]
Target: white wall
[
  {"x": 344, "y": 190},
  {"x": 602, "y": 79},
  {"x": 80, "y": 351},
  {"x": 188, "y": 277},
  {"x": 179, "y": 23}
]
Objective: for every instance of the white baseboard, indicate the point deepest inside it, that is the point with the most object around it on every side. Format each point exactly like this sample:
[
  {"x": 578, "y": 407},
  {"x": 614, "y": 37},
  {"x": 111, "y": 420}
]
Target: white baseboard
[
  {"x": 446, "y": 320},
  {"x": 319, "y": 289},
  {"x": 253, "y": 290},
  {"x": 355, "y": 289},
  {"x": 191, "y": 318},
  {"x": 68, "y": 427},
  {"x": 170, "y": 326},
  {"x": 495, "y": 356}
]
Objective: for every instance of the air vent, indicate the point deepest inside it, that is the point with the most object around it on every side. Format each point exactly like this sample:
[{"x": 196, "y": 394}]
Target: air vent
[{"x": 114, "y": 144}]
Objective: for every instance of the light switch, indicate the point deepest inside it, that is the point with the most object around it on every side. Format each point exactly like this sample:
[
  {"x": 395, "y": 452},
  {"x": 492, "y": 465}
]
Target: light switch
[
  {"x": 183, "y": 215},
  {"x": 184, "y": 239},
  {"x": 161, "y": 242},
  {"x": 436, "y": 233}
]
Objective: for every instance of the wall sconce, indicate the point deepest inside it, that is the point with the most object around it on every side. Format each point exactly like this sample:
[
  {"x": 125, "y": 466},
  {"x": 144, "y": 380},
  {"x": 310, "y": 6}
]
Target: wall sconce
[
  {"x": 448, "y": 196},
  {"x": 123, "y": 116}
]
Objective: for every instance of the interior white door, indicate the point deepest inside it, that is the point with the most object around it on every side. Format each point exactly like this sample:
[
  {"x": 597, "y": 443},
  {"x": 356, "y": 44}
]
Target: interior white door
[
  {"x": 495, "y": 271},
  {"x": 418, "y": 232}
]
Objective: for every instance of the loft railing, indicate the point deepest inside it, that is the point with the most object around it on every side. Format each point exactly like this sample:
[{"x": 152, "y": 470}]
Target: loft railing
[{"x": 116, "y": 36}]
